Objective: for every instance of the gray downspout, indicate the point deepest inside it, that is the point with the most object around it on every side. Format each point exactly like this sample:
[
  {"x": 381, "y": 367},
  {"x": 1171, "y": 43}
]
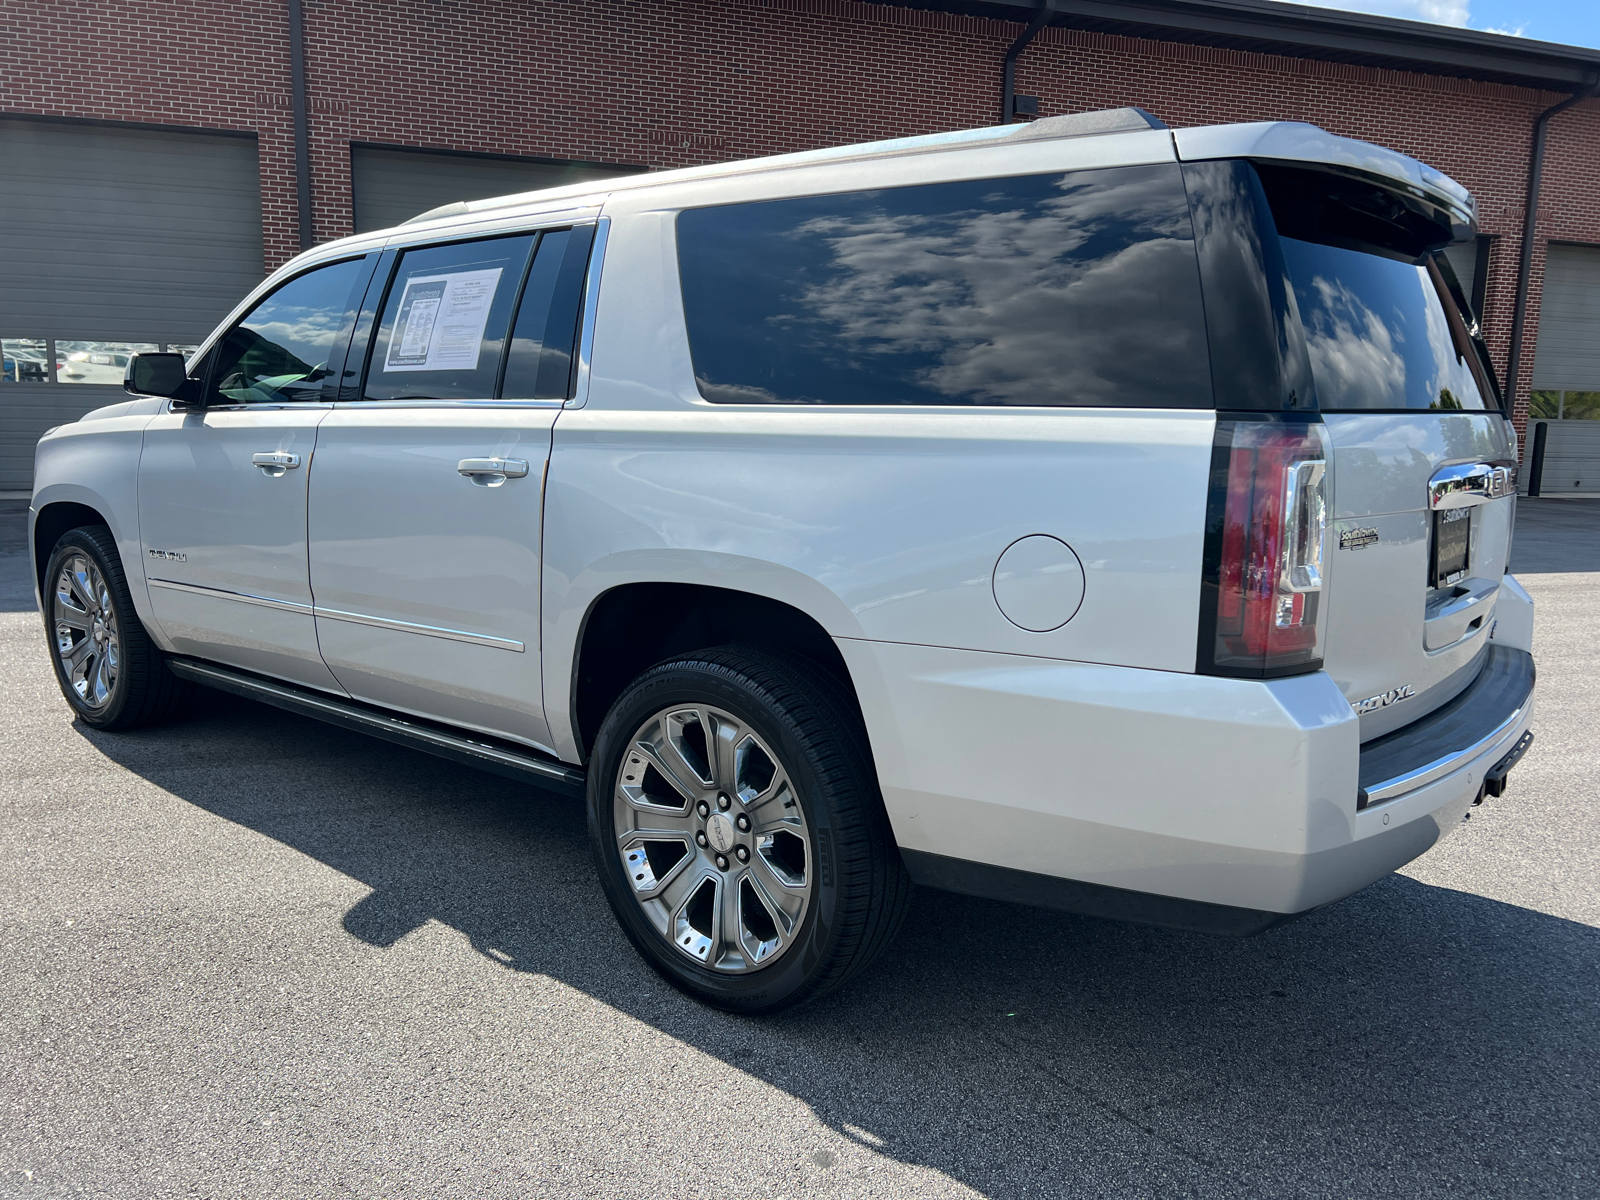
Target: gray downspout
[
  {"x": 1008, "y": 75},
  {"x": 1530, "y": 219},
  {"x": 302, "y": 134}
]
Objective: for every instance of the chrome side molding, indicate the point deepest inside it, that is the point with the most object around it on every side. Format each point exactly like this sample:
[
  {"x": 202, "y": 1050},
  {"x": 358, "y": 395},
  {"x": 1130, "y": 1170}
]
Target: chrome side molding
[
  {"x": 195, "y": 589},
  {"x": 1466, "y": 484},
  {"x": 453, "y": 635},
  {"x": 334, "y": 614}
]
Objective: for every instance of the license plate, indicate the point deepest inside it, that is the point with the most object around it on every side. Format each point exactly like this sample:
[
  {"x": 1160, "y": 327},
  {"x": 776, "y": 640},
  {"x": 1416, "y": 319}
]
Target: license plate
[{"x": 1452, "y": 540}]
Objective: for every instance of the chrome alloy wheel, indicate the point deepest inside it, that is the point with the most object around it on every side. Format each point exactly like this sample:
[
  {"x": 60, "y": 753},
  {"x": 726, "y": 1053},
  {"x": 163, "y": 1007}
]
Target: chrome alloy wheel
[
  {"x": 85, "y": 625},
  {"x": 712, "y": 838}
]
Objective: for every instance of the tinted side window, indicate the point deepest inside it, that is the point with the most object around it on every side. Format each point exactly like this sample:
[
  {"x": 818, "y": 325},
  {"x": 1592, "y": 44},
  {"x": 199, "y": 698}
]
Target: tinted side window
[
  {"x": 544, "y": 342},
  {"x": 279, "y": 352},
  {"x": 444, "y": 322},
  {"x": 1075, "y": 289}
]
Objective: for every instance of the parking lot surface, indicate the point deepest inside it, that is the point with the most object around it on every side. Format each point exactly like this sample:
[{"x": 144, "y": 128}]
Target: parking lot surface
[{"x": 248, "y": 955}]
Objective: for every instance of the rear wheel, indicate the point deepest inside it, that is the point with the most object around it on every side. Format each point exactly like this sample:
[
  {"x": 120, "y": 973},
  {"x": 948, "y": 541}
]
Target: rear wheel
[
  {"x": 738, "y": 829},
  {"x": 109, "y": 670}
]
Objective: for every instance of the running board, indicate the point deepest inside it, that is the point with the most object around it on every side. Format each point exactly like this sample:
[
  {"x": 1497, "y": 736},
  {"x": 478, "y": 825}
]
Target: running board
[{"x": 475, "y": 750}]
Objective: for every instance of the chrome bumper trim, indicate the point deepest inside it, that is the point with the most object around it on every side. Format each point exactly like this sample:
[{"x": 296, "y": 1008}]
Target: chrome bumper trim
[{"x": 1498, "y": 741}]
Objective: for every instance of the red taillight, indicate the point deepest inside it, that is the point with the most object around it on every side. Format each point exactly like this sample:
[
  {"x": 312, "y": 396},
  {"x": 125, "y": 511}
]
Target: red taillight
[{"x": 1264, "y": 550}]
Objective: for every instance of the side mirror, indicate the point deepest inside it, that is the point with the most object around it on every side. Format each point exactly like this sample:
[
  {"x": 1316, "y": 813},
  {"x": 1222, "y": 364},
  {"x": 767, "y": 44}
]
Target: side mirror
[{"x": 156, "y": 375}]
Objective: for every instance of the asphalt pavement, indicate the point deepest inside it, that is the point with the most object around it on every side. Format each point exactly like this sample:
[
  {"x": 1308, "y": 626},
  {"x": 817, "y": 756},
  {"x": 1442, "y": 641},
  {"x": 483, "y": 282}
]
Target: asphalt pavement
[{"x": 249, "y": 955}]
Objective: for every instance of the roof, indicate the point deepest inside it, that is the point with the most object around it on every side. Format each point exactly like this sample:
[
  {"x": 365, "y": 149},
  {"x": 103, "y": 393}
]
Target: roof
[
  {"x": 1290, "y": 141},
  {"x": 1303, "y": 31}
]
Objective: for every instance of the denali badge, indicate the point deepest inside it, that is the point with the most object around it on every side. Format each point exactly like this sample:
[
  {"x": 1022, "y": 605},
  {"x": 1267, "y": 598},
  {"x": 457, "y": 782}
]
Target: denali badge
[
  {"x": 168, "y": 555},
  {"x": 1357, "y": 539},
  {"x": 1394, "y": 696}
]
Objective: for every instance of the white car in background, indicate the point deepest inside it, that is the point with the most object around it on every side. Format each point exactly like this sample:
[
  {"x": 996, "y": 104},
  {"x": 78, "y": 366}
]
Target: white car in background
[{"x": 1084, "y": 513}]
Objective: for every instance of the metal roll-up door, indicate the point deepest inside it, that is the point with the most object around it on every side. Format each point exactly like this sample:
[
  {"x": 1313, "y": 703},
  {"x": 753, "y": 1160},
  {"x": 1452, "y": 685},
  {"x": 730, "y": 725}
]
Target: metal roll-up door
[
  {"x": 1566, "y": 370},
  {"x": 117, "y": 239},
  {"x": 392, "y": 185}
]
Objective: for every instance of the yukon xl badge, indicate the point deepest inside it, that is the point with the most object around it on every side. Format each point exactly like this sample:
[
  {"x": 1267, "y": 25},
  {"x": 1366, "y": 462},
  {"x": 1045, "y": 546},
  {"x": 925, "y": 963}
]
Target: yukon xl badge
[
  {"x": 1384, "y": 699},
  {"x": 168, "y": 555},
  {"x": 1358, "y": 539}
]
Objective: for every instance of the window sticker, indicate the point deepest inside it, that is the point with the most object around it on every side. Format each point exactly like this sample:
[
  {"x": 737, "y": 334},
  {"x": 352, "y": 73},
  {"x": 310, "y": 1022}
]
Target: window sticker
[{"x": 440, "y": 324}]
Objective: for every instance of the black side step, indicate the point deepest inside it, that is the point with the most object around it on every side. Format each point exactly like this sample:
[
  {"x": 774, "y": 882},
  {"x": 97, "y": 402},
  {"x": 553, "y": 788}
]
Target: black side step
[{"x": 475, "y": 750}]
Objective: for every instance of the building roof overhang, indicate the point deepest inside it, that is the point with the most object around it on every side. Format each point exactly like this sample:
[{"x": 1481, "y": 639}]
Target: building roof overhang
[{"x": 1303, "y": 31}]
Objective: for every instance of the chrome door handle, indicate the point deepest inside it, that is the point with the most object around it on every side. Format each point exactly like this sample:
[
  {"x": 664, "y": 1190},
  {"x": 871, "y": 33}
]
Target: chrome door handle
[
  {"x": 492, "y": 472},
  {"x": 275, "y": 462}
]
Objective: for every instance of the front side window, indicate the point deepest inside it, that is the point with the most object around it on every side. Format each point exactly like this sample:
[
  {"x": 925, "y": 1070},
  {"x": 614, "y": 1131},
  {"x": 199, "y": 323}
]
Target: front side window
[
  {"x": 1061, "y": 289},
  {"x": 279, "y": 353},
  {"x": 1382, "y": 333},
  {"x": 444, "y": 323}
]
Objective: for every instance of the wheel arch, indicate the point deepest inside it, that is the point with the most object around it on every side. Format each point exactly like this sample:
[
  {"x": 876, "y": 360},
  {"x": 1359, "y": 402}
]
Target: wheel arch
[
  {"x": 632, "y": 626},
  {"x": 50, "y": 522}
]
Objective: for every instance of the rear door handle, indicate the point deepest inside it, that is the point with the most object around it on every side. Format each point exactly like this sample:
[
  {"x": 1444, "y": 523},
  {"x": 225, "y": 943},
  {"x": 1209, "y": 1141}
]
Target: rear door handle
[
  {"x": 275, "y": 462},
  {"x": 492, "y": 472}
]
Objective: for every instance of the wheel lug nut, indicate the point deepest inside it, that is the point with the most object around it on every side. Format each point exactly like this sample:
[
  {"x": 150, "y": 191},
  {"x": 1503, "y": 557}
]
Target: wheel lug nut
[
  {"x": 743, "y": 853},
  {"x": 723, "y": 802},
  {"x": 701, "y": 838},
  {"x": 722, "y": 863},
  {"x": 703, "y": 808},
  {"x": 743, "y": 823}
]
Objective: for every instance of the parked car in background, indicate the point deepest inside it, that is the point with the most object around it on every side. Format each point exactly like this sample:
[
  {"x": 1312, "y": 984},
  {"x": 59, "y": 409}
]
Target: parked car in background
[{"x": 1084, "y": 513}]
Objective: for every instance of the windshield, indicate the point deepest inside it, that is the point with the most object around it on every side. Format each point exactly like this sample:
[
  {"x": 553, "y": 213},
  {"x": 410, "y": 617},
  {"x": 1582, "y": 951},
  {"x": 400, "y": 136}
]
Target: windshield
[{"x": 1382, "y": 333}]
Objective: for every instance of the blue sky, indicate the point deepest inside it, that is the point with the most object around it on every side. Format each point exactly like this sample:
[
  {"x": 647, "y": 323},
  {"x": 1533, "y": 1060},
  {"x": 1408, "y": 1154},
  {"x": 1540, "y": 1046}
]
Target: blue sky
[{"x": 1574, "y": 22}]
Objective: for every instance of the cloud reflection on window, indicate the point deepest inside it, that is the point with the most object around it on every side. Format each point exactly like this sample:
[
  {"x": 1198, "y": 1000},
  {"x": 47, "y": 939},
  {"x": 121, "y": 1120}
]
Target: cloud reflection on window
[
  {"x": 1077, "y": 289},
  {"x": 1376, "y": 332}
]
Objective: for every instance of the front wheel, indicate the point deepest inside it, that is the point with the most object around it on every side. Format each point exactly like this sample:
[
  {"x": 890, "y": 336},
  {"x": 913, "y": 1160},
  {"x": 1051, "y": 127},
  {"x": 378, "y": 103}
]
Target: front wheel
[
  {"x": 111, "y": 673},
  {"x": 738, "y": 829}
]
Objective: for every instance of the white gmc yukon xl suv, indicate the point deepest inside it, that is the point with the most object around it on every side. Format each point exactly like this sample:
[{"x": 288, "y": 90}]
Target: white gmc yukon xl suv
[{"x": 1084, "y": 513}]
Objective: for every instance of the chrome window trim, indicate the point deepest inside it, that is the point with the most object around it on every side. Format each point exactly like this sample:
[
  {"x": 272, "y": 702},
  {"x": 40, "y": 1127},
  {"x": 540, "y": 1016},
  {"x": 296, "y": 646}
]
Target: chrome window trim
[
  {"x": 438, "y": 631},
  {"x": 391, "y": 404},
  {"x": 178, "y": 408},
  {"x": 195, "y": 589},
  {"x": 591, "y": 306},
  {"x": 1391, "y": 789}
]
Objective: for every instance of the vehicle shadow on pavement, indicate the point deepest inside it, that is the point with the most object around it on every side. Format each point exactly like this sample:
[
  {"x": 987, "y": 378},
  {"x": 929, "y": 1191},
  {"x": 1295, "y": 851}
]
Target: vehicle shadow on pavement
[{"x": 1429, "y": 1042}]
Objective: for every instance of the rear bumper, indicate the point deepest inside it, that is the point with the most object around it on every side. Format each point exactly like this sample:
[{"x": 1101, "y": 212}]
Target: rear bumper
[
  {"x": 1171, "y": 799},
  {"x": 1484, "y": 722}
]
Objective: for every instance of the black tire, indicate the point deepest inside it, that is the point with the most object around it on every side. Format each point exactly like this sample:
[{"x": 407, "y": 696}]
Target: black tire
[
  {"x": 860, "y": 892},
  {"x": 144, "y": 692}
]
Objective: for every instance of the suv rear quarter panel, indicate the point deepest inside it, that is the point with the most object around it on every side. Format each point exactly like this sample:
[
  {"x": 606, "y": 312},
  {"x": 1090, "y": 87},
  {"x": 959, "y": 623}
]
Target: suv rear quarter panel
[{"x": 883, "y": 524}]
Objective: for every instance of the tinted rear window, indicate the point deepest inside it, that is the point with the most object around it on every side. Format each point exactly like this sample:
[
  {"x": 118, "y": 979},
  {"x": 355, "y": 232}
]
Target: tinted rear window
[
  {"x": 1378, "y": 333},
  {"x": 1074, "y": 289}
]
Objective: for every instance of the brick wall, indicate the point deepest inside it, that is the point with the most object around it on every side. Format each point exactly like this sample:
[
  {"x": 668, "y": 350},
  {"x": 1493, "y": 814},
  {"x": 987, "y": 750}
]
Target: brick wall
[{"x": 677, "y": 82}]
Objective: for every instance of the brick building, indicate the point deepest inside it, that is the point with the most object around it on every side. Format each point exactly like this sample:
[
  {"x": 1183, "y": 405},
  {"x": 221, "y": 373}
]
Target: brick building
[{"x": 162, "y": 154}]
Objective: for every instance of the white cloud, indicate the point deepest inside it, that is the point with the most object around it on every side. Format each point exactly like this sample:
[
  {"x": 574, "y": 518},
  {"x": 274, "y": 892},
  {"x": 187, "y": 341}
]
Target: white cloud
[{"x": 1440, "y": 12}]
